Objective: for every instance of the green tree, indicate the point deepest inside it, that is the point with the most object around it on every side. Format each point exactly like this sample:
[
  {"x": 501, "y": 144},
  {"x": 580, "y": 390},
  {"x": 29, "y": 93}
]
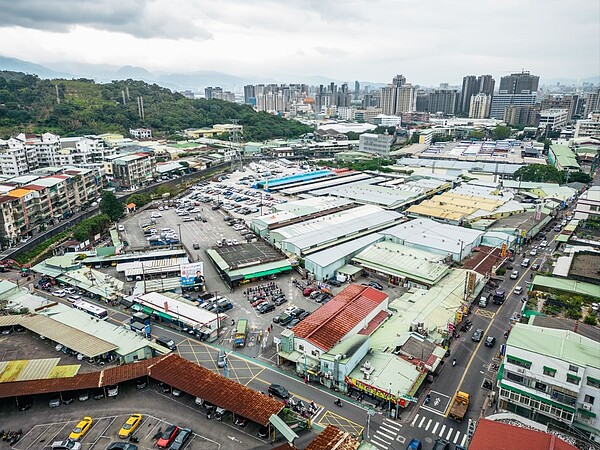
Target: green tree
[
  {"x": 111, "y": 206},
  {"x": 501, "y": 132},
  {"x": 591, "y": 319},
  {"x": 579, "y": 177},
  {"x": 539, "y": 173},
  {"x": 139, "y": 199},
  {"x": 477, "y": 134}
]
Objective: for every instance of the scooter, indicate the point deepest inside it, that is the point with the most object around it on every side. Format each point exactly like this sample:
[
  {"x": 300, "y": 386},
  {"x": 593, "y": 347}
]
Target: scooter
[
  {"x": 338, "y": 402},
  {"x": 453, "y": 362},
  {"x": 427, "y": 398}
]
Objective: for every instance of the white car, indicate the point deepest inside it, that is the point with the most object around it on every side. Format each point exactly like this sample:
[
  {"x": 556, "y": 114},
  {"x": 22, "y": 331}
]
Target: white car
[
  {"x": 155, "y": 215},
  {"x": 60, "y": 293},
  {"x": 235, "y": 242},
  {"x": 514, "y": 275},
  {"x": 533, "y": 252},
  {"x": 229, "y": 242},
  {"x": 121, "y": 227},
  {"x": 544, "y": 244}
]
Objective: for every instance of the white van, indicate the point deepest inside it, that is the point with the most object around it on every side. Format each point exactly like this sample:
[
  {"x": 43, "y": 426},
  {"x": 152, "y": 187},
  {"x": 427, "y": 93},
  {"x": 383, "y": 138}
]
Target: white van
[
  {"x": 525, "y": 262},
  {"x": 74, "y": 298},
  {"x": 518, "y": 290},
  {"x": 483, "y": 302}
]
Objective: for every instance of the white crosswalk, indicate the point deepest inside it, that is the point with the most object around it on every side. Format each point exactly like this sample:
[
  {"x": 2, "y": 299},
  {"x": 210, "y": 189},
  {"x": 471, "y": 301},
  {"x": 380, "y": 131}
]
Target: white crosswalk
[
  {"x": 438, "y": 429},
  {"x": 386, "y": 434}
]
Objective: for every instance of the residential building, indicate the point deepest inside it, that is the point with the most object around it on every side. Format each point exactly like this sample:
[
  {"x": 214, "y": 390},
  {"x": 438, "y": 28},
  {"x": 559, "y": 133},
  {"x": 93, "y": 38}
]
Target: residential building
[
  {"x": 588, "y": 127},
  {"x": 388, "y": 100},
  {"x": 387, "y": 121},
  {"x": 367, "y": 115},
  {"x": 470, "y": 87},
  {"x": 480, "y": 106},
  {"x": 378, "y": 144},
  {"x": 406, "y": 99},
  {"x": 17, "y": 159},
  {"x": 592, "y": 103},
  {"x": 141, "y": 133},
  {"x": 443, "y": 101},
  {"x": 553, "y": 119},
  {"x": 552, "y": 376},
  {"x": 588, "y": 204},
  {"x": 568, "y": 102},
  {"x": 521, "y": 115},
  {"x": 133, "y": 170},
  {"x": 213, "y": 92}
]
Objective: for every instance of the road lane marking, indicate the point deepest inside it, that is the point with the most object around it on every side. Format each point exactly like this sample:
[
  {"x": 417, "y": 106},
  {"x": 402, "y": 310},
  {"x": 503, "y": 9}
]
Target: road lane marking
[
  {"x": 412, "y": 424},
  {"x": 391, "y": 424},
  {"x": 384, "y": 447},
  {"x": 464, "y": 439},
  {"x": 428, "y": 424},
  {"x": 421, "y": 422},
  {"x": 449, "y": 433},
  {"x": 442, "y": 430},
  {"x": 375, "y": 436},
  {"x": 456, "y": 437},
  {"x": 434, "y": 429}
]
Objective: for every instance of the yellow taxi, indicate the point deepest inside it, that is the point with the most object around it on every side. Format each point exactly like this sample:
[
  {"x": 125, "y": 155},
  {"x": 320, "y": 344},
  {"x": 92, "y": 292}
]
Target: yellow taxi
[
  {"x": 81, "y": 429},
  {"x": 129, "y": 427}
]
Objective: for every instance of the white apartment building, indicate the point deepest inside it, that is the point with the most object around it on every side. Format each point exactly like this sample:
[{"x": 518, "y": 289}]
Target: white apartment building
[
  {"x": 479, "y": 107},
  {"x": 588, "y": 127},
  {"x": 346, "y": 112},
  {"x": 552, "y": 376},
  {"x": 554, "y": 118},
  {"x": 406, "y": 99},
  {"x": 84, "y": 152},
  {"x": 140, "y": 133},
  {"x": 16, "y": 158},
  {"x": 378, "y": 144}
]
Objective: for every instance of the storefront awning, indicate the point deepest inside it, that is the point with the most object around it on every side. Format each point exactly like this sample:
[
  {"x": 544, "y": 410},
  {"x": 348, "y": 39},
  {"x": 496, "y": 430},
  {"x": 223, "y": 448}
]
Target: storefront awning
[
  {"x": 266, "y": 273},
  {"x": 349, "y": 269}
]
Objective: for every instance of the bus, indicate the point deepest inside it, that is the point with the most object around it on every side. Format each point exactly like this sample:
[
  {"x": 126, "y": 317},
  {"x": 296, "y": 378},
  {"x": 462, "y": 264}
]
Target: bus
[
  {"x": 91, "y": 309},
  {"x": 240, "y": 333}
]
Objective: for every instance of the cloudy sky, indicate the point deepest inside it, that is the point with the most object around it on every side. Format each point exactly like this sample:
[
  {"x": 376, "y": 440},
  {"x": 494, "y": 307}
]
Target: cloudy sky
[{"x": 429, "y": 41}]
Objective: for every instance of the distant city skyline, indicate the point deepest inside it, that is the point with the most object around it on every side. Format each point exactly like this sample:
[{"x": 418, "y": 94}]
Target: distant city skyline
[{"x": 428, "y": 42}]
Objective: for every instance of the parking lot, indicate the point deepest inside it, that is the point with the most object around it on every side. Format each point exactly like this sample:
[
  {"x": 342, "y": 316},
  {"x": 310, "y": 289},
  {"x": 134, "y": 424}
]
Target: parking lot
[{"x": 42, "y": 425}]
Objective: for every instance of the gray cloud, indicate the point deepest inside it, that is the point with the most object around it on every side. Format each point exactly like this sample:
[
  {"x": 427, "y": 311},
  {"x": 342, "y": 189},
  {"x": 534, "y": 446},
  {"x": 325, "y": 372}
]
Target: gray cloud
[{"x": 139, "y": 18}]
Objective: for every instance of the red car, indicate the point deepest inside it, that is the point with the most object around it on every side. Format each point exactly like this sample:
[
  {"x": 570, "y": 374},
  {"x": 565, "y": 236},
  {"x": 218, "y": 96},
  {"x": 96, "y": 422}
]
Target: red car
[
  {"x": 259, "y": 302},
  {"x": 307, "y": 291},
  {"x": 167, "y": 436}
]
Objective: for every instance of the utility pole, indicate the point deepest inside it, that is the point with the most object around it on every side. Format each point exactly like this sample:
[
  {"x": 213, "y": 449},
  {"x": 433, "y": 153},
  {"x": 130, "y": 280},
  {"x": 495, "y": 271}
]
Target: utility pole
[{"x": 237, "y": 162}]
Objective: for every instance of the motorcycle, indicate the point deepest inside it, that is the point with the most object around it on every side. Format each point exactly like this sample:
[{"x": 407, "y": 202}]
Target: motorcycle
[
  {"x": 338, "y": 402},
  {"x": 427, "y": 398},
  {"x": 453, "y": 362}
]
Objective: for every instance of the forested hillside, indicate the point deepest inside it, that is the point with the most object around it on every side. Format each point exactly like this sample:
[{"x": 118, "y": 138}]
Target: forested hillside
[{"x": 28, "y": 103}]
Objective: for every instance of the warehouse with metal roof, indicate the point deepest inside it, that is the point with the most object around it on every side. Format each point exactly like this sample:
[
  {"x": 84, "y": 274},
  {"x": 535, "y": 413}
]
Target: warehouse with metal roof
[
  {"x": 401, "y": 265},
  {"x": 317, "y": 234},
  {"x": 429, "y": 235}
]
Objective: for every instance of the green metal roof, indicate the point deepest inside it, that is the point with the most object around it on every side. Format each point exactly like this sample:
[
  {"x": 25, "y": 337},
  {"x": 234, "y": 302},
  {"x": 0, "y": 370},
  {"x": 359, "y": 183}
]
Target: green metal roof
[
  {"x": 563, "y": 284},
  {"x": 262, "y": 270},
  {"x": 564, "y": 156},
  {"x": 564, "y": 345},
  {"x": 406, "y": 262}
]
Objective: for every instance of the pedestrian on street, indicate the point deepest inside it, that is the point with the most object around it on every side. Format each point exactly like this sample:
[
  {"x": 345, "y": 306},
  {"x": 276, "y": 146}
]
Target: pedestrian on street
[{"x": 232, "y": 322}]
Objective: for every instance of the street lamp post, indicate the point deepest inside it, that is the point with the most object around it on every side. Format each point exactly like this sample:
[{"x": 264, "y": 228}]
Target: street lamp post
[
  {"x": 390, "y": 400},
  {"x": 305, "y": 370}
]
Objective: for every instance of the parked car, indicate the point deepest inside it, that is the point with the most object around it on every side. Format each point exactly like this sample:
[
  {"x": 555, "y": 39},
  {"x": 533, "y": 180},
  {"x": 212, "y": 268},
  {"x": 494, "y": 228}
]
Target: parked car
[
  {"x": 279, "y": 391},
  {"x": 121, "y": 446},
  {"x": 167, "y": 436},
  {"x": 130, "y": 425},
  {"x": 66, "y": 445},
  {"x": 54, "y": 403},
  {"x": 81, "y": 429},
  {"x": 181, "y": 439},
  {"x": 112, "y": 390},
  {"x": 266, "y": 307},
  {"x": 376, "y": 285},
  {"x": 279, "y": 301},
  {"x": 483, "y": 302},
  {"x": 196, "y": 246}
]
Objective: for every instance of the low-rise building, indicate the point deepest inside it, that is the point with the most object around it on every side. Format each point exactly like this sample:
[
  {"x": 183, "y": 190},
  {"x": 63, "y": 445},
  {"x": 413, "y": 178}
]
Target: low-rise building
[
  {"x": 552, "y": 376},
  {"x": 553, "y": 118},
  {"x": 136, "y": 169},
  {"x": 377, "y": 144},
  {"x": 588, "y": 127},
  {"x": 140, "y": 133},
  {"x": 563, "y": 158},
  {"x": 588, "y": 204}
]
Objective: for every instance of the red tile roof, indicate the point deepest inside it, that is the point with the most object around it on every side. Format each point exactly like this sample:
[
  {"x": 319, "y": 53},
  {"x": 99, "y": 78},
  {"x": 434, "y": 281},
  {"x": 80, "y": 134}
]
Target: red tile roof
[
  {"x": 172, "y": 370},
  {"x": 34, "y": 187},
  {"x": 332, "y": 438},
  {"x": 483, "y": 259},
  {"x": 332, "y": 321},
  {"x": 491, "y": 435},
  {"x": 216, "y": 389},
  {"x": 374, "y": 323}
]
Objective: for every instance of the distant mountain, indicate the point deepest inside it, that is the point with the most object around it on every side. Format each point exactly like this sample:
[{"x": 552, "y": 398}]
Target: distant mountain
[
  {"x": 569, "y": 81},
  {"x": 17, "y": 65}
]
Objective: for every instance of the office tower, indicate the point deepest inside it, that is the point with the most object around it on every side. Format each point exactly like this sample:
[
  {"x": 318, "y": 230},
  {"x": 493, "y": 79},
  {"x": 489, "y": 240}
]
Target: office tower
[
  {"x": 443, "y": 100},
  {"x": 470, "y": 87},
  {"x": 519, "y": 83},
  {"x": 568, "y": 102},
  {"x": 480, "y": 106},
  {"x": 522, "y": 115},
  {"x": 422, "y": 102},
  {"x": 356, "y": 89}
]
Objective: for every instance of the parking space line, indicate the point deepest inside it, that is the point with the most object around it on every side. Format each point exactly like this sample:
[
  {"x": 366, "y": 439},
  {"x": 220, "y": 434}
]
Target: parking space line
[{"x": 33, "y": 428}]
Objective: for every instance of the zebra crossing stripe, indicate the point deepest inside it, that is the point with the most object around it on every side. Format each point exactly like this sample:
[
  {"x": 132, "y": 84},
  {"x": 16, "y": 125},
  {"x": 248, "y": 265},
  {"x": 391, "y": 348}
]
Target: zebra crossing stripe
[
  {"x": 412, "y": 424},
  {"x": 421, "y": 422},
  {"x": 464, "y": 440},
  {"x": 384, "y": 447},
  {"x": 389, "y": 423},
  {"x": 442, "y": 430},
  {"x": 437, "y": 424},
  {"x": 379, "y": 438},
  {"x": 428, "y": 424},
  {"x": 449, "y": 434},
  {"x": 456, "y": 437},
  {"x": 387, "y": 436}
]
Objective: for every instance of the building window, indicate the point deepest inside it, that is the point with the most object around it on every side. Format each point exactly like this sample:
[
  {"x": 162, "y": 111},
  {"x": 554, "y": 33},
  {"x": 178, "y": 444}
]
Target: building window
[
  {"x": 315, "y": 353},
  {"x": 573, "y": 379},
  {"x": 573, "y": 368},
  {"x": 549, "y": 371},
  {"x": 588, "y": 399},
  {"x": 564, "y": 398},
  {"x": 540, "y": 386},
  {"x": 519, "y": 362},
  {"x": 516, "y": 378},
  {"x": 301, "y": 347},
  {"x": 593, "y": 382}
]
